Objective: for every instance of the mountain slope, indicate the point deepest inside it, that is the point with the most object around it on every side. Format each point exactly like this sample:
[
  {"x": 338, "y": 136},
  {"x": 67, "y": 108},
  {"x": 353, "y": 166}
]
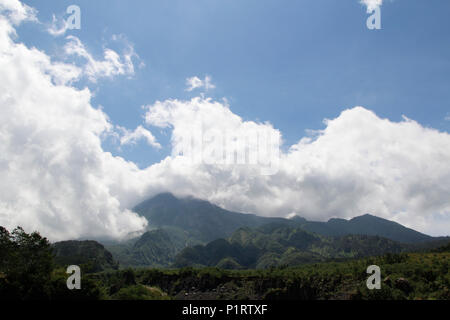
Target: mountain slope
[
  {"x": 271, "y": 246},
  {"x": 201, "y": 219},
  {"x": 177, "y": 223},
  {"x": 155, "y": 248},
  {"x": 91, "y": 256},
  {"x": 206, "y": 222},
  {"x": 368, "y": 225}
]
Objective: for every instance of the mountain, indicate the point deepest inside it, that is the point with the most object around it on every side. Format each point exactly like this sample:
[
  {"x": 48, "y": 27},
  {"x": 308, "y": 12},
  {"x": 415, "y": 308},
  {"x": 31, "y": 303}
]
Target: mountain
[
  {"x": 176, "y": 223},
  {"x": 368, "y": 225},
  {"x": 275, "y": 245},
  {"x": 205, "y": 222},
  {"x": 179, "y": 223},
  {"x": 91, "y": 256},
  {"x": 155, "y": 248},
  {"x": 202, "y": 220}
]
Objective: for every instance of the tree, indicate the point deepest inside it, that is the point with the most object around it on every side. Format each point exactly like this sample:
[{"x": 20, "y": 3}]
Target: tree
[{"x": 26, "y": 265}]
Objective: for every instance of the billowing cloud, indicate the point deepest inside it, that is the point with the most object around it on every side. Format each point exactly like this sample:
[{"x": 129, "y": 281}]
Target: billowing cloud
[
  {"x": 56, "y": 178},
  {"x": 197, "y": 83},
  {"x": 359, "y": 163},
  {"x": 207, "y": 132}
]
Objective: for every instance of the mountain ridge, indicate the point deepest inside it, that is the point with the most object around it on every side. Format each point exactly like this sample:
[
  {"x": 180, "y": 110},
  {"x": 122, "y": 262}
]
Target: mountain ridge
[
  {"x": 367, "y": 224},
  {"x": 165, "y": 209},
  {"x": 177, "y": 223},
  {"x": 275, "y": 246}
]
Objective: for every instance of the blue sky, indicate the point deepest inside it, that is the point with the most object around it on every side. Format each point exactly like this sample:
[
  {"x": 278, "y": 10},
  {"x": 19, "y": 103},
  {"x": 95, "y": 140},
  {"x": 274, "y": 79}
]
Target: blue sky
[
  {"x": 292, "y": 63},
  {"x": 276, "y": 67}
]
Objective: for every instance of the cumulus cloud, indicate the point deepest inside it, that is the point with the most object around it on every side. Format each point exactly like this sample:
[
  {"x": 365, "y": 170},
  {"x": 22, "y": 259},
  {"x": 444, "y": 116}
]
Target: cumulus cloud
[
  {"x": 57, "y": 179},
  {"x": 197, "y": 83},
  {"x": 55, "y": 176},
  {"x": 132, "y": 137},
  {"x": 206, "y": 131},
  {"x": 372, "y": 4},
  {"x": 359, "y": 163}
]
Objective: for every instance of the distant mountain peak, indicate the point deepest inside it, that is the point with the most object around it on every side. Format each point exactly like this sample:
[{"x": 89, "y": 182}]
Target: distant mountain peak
[
  {"x": 367, "y": 216},
  {"x": 184, "y": 223},
  {"x": 164, "y": 196},
  {"x": 370, "y": 217},
  {"x": 206, "y": 221},
  {"x": 298, "y": 219},
  {"x": 201, "y": 219}
]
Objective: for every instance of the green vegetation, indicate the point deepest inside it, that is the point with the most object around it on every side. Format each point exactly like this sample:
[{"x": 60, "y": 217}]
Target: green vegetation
[
  {"x": 275, "y": 245},
  {"x": 91, "y": 256},
  {"x": 405, "y": 276},
  {"x": 205, "y": 222},
  {"x": 178, "y": 223},
  {"x": 25, "y": 265},
  {"x": 368, "y": 225},
  {"x": 28, "y": 271},
  {"x": 200, "y": 220},
  {"x": 155, "y": 248}
]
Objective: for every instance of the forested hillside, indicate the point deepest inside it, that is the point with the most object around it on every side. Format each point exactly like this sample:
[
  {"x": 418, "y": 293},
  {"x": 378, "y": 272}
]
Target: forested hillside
[
  {"x": 274, "y": 245},
  {"x": 28, "y": 272}
]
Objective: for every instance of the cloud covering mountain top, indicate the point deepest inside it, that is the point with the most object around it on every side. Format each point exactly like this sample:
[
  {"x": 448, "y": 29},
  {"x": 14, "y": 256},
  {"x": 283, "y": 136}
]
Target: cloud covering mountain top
[{"x": 57, "y": 178}]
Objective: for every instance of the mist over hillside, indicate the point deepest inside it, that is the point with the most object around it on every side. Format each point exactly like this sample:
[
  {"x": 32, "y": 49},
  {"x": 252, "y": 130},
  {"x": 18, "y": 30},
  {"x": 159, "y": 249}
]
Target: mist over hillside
[{"x": 189, "y": 231}]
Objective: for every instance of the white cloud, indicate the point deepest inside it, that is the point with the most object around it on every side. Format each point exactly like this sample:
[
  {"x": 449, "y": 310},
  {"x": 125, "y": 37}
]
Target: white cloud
[
  {"x": 197, "y": 83},
  {"x": 207, "y": 131},
  {"x": 16, "y": 11},
  {"x": 56, "y": 178},
  {"x": 372, "y": 4},
  {"x": 132, "y": 137},
  {"x": 359, "y": 163},
  {"x": 112, "y": 65}
]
